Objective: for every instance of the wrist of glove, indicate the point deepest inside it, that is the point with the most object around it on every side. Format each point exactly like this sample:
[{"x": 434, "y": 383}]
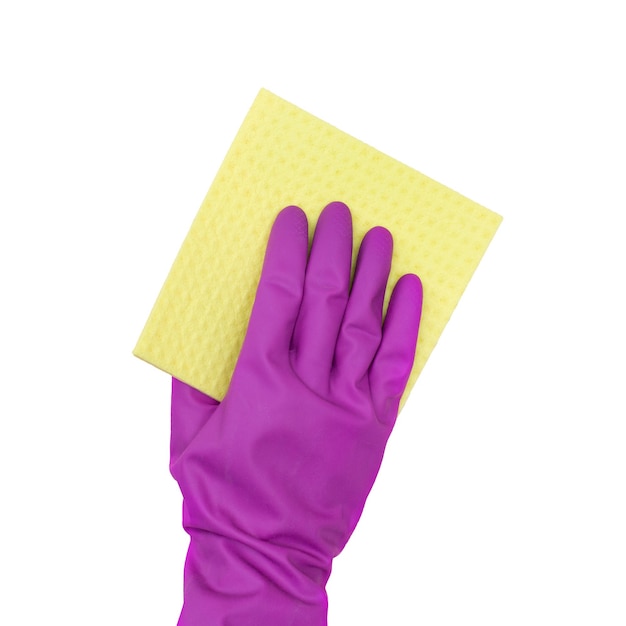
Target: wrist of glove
[{"x": 235, "y": 574}]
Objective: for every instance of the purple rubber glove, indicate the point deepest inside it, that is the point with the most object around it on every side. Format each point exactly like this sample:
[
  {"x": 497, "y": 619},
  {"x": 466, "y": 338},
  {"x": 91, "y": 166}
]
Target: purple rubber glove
[{"x": 274, "y": 478}]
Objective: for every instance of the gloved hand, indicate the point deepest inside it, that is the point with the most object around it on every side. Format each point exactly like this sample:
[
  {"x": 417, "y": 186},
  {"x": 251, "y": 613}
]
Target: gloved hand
[{"x": 274, "y": 478}]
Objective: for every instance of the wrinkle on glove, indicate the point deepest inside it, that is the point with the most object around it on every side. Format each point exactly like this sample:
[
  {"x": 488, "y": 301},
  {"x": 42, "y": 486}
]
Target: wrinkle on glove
[{"x": 275, "y": 477}]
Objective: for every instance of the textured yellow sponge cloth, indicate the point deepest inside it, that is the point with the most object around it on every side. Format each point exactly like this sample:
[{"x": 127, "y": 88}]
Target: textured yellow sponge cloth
[{"x": 281, "y": 156}]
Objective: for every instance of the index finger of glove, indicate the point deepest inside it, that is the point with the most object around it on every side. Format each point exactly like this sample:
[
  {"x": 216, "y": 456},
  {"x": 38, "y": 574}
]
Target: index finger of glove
[{"x": 280, "y": 288}]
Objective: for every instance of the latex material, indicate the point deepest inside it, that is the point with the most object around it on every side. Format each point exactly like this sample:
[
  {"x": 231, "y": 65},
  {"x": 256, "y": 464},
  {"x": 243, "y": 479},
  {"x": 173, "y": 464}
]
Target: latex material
[{"x": 274, "y": 478}]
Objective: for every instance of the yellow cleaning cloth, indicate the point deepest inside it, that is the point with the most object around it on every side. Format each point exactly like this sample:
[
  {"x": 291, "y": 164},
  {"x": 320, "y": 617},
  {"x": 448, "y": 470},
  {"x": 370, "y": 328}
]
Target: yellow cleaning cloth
[{"x": 281, "y": 156}]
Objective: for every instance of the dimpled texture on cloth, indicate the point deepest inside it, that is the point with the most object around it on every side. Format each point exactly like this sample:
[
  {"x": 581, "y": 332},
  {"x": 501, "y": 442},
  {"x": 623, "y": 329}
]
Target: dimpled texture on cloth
[
  {"x": 275, "y": 477},
  {"x": 284, "y": 156}
]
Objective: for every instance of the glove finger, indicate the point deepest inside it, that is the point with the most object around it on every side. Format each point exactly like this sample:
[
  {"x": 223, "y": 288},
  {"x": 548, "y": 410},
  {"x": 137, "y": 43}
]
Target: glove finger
[
  {"x": 361, "y": 329},
  {"x": 326, "y": 290},
  {"x": 393, "y": 362},
  {"x": 279, "y": 292},
  {"x": 191, "y": 409}
]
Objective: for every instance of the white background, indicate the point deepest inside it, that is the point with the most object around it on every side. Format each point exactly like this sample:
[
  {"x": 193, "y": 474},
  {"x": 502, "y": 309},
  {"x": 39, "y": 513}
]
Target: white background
[{"x": 502, "y": 495}]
